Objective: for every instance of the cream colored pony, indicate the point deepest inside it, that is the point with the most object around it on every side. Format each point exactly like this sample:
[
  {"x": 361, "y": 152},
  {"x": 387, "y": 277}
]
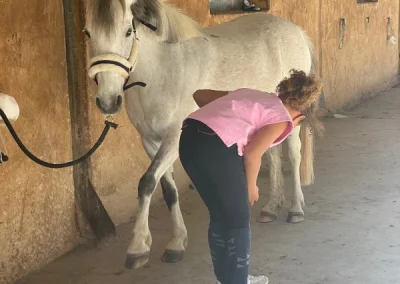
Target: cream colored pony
[{"x": 156, "y": 44}]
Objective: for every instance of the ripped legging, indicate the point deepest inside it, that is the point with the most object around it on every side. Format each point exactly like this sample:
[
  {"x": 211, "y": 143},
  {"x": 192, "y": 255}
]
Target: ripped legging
[{"x": 219, "y": 176}]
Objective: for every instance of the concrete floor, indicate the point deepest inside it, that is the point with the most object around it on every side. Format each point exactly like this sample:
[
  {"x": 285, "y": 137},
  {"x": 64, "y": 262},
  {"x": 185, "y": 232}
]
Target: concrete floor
[{"x": 351, "y": 233}]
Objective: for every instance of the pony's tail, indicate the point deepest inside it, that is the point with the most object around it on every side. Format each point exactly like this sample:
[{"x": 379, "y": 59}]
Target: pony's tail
[
  {"x": 307, "y": 155},
  {"x": 307, "y": 135}
]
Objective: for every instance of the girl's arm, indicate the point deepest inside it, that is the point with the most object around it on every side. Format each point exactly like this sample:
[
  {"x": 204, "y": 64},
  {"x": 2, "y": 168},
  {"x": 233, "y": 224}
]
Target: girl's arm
[
  {"x": 254, "y": 151},
  {"x": 203, "y": 97}
]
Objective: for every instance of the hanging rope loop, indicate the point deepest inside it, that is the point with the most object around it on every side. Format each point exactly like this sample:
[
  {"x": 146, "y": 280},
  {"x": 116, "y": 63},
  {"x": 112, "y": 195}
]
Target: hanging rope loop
[{"x": 4, "y": 157}]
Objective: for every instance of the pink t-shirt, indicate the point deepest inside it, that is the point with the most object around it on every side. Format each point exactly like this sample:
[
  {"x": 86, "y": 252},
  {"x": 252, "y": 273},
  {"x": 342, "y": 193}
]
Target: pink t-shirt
[{"x": 236, "y": 117}]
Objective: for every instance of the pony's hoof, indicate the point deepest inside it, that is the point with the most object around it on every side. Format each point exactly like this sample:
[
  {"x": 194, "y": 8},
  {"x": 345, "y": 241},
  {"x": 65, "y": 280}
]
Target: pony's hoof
[
  {"x": 266, "y": 217},
  {"x": 134, "y": 261},
  {"x": 295, "y": 217},
  {"x": 172, "y": 256}
]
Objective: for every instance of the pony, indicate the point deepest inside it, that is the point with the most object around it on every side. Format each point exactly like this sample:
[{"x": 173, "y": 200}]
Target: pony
[{"x": 152, "y": 57}]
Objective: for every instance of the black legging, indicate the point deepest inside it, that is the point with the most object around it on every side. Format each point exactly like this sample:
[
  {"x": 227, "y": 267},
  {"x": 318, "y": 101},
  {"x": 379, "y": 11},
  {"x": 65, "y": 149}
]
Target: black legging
[{"x": 219, "y": 176}]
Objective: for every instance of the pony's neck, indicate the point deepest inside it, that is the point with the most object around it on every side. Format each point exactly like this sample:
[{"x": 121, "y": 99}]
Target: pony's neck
[
  {"x": 152, "y": 52},
  {"x": 159, "y": 50},
  {"x": 158, "y": 60}
]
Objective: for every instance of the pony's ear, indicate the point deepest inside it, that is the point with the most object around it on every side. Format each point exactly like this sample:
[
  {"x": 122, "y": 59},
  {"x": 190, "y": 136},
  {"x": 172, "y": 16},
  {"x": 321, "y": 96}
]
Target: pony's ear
[{"x": 147, "y": 11}]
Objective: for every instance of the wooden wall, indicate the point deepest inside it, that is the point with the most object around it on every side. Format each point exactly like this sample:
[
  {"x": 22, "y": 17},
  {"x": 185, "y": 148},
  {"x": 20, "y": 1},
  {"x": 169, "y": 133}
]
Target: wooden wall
[
  {"x": 35, "y": 201},
  {"x": 366, "y": 63},
  {"x": 37, "y": 214}
]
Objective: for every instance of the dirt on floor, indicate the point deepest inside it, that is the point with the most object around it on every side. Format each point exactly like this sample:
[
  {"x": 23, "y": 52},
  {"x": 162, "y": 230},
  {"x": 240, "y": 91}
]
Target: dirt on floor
[{"x": 350, "y": 234}]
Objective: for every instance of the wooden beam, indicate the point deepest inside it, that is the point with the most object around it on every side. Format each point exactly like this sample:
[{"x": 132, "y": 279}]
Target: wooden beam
[{"x": 86, "y": 197}]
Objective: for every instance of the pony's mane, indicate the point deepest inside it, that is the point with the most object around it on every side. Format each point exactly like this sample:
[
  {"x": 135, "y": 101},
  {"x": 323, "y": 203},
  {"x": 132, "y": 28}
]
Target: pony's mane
[
  {"x": 177, "y": 26},
  {"x": 172, "y": 24},
  {"x": 104, "y": 13}
]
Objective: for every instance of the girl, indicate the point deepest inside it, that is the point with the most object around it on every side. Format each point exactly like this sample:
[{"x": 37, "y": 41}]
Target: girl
[{"x": 221, "y": 146}]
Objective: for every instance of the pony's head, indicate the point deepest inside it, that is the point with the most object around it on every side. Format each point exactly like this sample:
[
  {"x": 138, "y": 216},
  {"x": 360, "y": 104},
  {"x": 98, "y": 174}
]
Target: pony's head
[
  {"x": 111, "y": 29},
  {"x": 112, "y": 33}
]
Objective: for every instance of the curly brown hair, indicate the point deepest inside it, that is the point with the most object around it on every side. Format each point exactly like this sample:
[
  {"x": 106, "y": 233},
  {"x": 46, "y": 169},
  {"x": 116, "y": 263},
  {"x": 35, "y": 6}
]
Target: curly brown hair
[{"x": 302, "y": 92}]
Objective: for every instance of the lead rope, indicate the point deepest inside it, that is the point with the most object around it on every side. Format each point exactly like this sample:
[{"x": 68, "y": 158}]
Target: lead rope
[
  {"x": 108, "y": 125},
  {"x": 3, "y": 156}
]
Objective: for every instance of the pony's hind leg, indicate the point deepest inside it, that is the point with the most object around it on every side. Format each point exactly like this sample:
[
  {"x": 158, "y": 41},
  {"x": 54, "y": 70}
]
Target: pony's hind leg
[
  {"x": 139, "y": 248},
  {"x": 176, "y": 247},
  {"x": 276, "y": 197},
  {"x": 296, "y": 213}
]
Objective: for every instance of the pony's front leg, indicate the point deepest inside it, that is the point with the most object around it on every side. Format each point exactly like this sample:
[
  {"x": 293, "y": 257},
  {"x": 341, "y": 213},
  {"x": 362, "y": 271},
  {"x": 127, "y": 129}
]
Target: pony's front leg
[
  {"x": 296, "y": 213},
  {"x": 276, "y": 197},
  {"x": 139, "y": 249},
  {"x": 177, "y": 246}
]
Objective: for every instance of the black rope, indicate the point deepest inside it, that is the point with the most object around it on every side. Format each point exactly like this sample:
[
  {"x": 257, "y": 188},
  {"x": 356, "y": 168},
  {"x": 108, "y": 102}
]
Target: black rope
[
  {"x": 150, "y": 26},
  {"x": 127, "y": 86},
  {"x": 3, "y": 158},
  {"x": 103, "y": 135},
  {"x": 112, "y": 62}
]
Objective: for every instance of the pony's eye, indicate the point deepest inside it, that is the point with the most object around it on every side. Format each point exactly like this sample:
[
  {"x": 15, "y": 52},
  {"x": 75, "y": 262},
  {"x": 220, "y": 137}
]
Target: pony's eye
[
  {"x": 86, "y": 33},
  {"x": 129, "y": 32}
]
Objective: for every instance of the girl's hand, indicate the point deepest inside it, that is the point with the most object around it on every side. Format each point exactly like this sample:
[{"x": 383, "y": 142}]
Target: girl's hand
[
  {"x": 254, "y": 151},
  {"x": 253, "y": 195}
]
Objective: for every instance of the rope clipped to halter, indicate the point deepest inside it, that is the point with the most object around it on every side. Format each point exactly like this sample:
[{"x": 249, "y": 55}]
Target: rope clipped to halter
[{"x": 4, "y": 158}]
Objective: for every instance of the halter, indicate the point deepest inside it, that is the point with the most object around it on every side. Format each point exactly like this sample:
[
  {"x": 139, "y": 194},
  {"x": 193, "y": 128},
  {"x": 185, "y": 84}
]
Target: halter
[{"x": 118, "y": 64}]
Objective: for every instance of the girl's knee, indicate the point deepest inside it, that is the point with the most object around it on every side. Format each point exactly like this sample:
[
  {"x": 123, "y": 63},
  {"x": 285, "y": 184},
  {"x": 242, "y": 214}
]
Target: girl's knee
[{"x": 238, "y": 221}]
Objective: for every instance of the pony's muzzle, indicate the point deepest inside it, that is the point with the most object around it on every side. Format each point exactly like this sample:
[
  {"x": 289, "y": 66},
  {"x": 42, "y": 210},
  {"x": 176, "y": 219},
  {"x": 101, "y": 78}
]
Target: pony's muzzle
[{"x": 112, "y": 107}]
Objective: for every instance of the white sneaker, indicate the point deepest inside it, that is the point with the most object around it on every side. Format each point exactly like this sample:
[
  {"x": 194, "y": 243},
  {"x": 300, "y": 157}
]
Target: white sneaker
[
  {"x": 261, "y": 279},
  {"x": 247, "y": 6},
  {"x": 247, "y": 3}
]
